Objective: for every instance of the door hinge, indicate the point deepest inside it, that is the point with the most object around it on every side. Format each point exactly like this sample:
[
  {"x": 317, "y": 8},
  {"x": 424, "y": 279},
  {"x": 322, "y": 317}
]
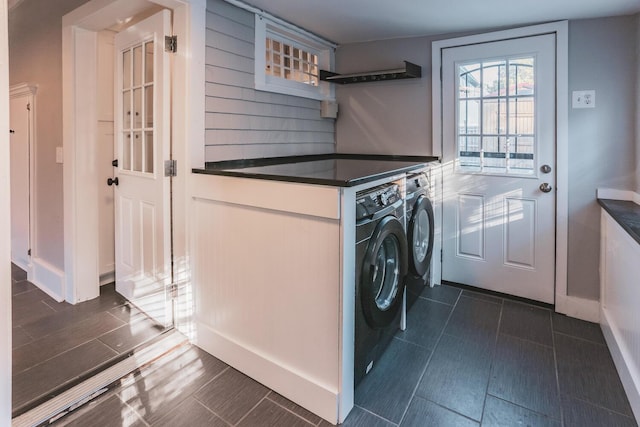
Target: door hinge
[
  {"x": 29, "y": 252},
  {"x": 29, "y": 106},
  {"x": 173, "y": 291},
  {"x": 170, "y": 168},
  {"x": 441, "y": 256},
  {"x": 171, "y": 44}
]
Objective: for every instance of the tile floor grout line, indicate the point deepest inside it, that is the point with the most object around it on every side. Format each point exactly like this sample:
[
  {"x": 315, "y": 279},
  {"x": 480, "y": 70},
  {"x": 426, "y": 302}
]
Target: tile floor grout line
[
  {"x": 377, "y": 416},
  {"x": 424, "y": 369},
  {"x": 209, "y": 382},
  {"x": 211, "y": 410},
  {"x": 588, "y": 402},
  {"x": 523, "y": 407},
  {"x": 435, "y": 300},
  {"x": 493, "y": 358},
  {"x": 287, "y": 409},
  {"x": 580, "y": 338},
  {"x": 557, "y": 372},
  {"x": 140, "y": 417},
  {"x": 252, "y": 408},
  {"x": 67, "y": 350}
]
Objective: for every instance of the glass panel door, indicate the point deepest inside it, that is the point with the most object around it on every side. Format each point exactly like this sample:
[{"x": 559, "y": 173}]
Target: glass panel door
[{"x": 137, "y": 102}]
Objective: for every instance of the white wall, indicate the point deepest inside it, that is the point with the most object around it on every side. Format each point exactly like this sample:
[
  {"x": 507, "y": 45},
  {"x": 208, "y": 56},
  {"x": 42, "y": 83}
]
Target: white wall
[
  {"x": 5, "y": 229},
  {"x": 35, "y": 49},
  {"x": 395, "y": 118},
  {"x": 244, "y": 123}
]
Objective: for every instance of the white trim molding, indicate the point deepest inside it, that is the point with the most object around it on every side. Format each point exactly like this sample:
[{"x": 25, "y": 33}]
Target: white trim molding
[
  {"x": 619, "y": 300},
  {"x": 48, "y": 278},
  {"x": 5, "y": 226},
  {"x": 563, "y": 303},
  {"x": 610, "y": 193},
  {"x": 80, "y": 178}
]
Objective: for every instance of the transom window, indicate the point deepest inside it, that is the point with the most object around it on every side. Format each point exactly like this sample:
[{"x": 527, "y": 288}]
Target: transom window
[
  {"x": 496, "y": 117},
  {"x": 288, "y": 60},
  {"x": 137, "y": 108},
  {"x": 292, "y": 63}
]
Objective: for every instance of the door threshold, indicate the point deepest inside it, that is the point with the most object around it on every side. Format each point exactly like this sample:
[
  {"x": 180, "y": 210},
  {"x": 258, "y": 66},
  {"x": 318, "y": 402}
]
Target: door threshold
[{"x": 100, "y": 382}]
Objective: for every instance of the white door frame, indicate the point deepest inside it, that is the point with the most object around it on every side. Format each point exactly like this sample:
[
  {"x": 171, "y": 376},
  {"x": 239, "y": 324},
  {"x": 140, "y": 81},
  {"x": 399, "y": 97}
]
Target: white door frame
[
  {"x": 5, "y": 226},
  {"x": 563, "y": 303},
  {"x": 80, "y": 177}
]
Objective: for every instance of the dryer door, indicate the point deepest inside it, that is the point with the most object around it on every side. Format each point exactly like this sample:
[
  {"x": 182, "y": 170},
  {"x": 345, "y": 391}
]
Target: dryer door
[
  {"x": 383, "y": 272},
  {"x": 420, "y": 236}
]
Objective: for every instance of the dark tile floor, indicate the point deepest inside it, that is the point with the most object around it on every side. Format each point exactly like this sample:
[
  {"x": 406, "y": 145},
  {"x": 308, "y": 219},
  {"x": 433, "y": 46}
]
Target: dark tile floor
[
  {"x": 55, "y": 343},
  {"x": 466, "y": 359}
]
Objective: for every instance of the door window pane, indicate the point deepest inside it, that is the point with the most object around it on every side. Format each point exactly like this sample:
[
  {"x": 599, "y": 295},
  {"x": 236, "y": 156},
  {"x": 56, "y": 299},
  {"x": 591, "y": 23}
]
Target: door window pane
[
  {"x": 148, "y": 152},
  {"x": 126, "y": 109},
  {"x": 496, "y": 116},
  {"x": 469, "y": 117},
  {"x": 126, "y": 69},
  {"x": 126, "y": 151},
  {"x": 148, "y": 62},
  {"x": 148, "y": 106},
  {"x": 137, "y": 151},
  {"x": 137, "y": 65},
  {"x": 137, "y": 108}
]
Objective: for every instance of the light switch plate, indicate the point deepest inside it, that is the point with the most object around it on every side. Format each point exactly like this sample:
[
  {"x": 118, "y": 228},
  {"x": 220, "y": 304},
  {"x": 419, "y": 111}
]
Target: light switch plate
[
  {"x": 59, "y": 155},
  {"x": 584, "y": 99}
]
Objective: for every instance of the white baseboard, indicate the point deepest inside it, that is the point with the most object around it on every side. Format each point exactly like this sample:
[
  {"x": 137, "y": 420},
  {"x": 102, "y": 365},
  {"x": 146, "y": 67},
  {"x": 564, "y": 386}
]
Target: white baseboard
[
  {"x": 304, "y": 391},
  {"x": 48, "y": 278},
  {"x": 580, "y": 308},
  {"x": 621, "y": 358},
  {"x": 106, "y": 278}
]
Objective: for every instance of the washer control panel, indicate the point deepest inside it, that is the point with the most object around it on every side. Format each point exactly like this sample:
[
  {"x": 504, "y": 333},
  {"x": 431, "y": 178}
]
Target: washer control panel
[{"x": 370, "y": 201}]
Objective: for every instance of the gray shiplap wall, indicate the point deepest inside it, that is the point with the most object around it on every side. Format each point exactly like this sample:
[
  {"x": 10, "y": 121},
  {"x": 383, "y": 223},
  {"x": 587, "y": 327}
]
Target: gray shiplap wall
[{"x": 244, "y": 123}]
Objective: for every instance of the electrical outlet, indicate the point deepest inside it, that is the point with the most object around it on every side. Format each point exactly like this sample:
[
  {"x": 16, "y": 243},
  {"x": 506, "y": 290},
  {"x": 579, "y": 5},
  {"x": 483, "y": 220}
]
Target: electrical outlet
[{"x": 584, "y": 99}]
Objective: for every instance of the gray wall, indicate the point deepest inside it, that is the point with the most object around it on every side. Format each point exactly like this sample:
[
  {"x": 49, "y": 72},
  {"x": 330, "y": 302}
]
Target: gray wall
[
  {"x": 602, "y": 56},
  {"x": 392, "y": 117},
  {"x": 35, "y": 56},
  {"x": 395, "y": 118},
  {"x": 240, "y": 121}
]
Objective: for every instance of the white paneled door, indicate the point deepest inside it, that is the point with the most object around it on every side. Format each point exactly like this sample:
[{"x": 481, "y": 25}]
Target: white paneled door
[
  {"x": 19, "y": 138},
  {"x": 499, "y": 166},
  {"x": 142, "y": 195}
]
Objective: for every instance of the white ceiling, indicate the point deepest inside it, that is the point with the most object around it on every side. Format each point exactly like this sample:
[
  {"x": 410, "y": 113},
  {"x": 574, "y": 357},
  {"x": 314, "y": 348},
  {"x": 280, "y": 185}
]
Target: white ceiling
[{"x": 349, "y": 21}]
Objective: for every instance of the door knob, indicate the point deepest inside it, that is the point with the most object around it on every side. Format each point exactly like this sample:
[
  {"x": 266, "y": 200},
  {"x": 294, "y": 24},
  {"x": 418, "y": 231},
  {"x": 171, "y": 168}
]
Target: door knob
[
  {"x": 544, "y": 187},
  {"x": 545, "y": 168},
  {"x": 110, "y": 181}
]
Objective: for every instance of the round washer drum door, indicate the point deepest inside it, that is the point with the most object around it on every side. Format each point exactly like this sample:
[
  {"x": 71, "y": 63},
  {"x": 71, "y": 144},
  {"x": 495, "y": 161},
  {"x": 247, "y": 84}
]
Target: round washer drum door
[
  {"x": 383, "y": 272},
  {"x": 420, "y": 236}
]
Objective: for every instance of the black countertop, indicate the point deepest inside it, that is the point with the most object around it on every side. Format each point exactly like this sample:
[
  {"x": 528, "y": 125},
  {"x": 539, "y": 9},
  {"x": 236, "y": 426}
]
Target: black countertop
[
  {"x": 340, "y": 170},
  {"x": 626, "y": 213}
]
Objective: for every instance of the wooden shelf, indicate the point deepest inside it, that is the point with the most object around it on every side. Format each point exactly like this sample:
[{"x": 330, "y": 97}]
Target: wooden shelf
[{"x": 410, "y": 71}]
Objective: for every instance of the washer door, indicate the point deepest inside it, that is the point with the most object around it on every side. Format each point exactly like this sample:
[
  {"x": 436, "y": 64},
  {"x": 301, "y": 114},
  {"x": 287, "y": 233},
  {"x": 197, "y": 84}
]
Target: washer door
[
  {"x": 383, "y": 271},
  {"x": 420, "y": 236}
]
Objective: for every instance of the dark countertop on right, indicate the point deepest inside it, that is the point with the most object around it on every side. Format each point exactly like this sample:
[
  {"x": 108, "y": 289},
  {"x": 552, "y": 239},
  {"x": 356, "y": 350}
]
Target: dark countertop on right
[{"x": 626, "y": 213}]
